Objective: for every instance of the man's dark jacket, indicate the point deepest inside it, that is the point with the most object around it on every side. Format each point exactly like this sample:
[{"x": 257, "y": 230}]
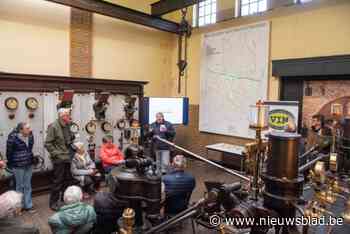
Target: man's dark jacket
[
  {"x": 178, "y": 189},
  {"x": 108, "y": 211},
  {"x": 168, "y": 135},
  {"x": 18, "y": 152}
]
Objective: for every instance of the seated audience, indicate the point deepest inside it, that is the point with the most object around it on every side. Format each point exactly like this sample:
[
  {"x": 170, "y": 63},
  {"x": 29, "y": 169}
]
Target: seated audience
[
  {"x": 110, "y": 155},
  {"x": 178, "y": 186},
  {"x": 74, "y": 216},
  {"x": 10, "y": 207},
  {"x": 108, "y": 211},
  {"x": 84, "y": 170}
]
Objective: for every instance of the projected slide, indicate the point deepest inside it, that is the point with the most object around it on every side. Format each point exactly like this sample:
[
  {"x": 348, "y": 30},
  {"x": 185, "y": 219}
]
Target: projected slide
[{"x": 175, "y": 110}]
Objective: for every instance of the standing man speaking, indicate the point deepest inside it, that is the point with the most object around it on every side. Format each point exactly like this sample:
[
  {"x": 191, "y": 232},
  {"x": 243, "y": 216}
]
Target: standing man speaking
[
  {"x": 58, "y": 143},
  {"x": 164, "y": 130}
]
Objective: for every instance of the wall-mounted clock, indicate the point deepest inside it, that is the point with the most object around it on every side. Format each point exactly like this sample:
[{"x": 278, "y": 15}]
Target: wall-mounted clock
[
  {"x": 74, "y": 128},
  {"x": 91, "y": 127},
  {"x": 32, "y": 103},
  {"x": 106, "y": 127},
  {"x": 11, "y": 103}
]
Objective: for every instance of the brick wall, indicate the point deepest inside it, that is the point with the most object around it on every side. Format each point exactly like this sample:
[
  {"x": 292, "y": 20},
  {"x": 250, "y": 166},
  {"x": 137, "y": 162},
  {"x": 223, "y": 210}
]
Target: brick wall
[
  {"x": 323, "y": 94},
  {"x": 80, "y": 43}
]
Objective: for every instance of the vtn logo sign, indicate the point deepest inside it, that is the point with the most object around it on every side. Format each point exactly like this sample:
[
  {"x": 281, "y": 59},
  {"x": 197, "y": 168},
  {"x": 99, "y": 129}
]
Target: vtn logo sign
[{"x": 278, "y": 119}]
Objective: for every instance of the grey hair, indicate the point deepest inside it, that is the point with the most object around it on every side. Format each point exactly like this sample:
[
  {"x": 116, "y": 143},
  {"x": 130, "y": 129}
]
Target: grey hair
[
  {"x": 73, "y": 194},
  {"x": 63, "y": 111},
  {"x": 180, "y": 162},
  {"x": 10, "y": 201},
  {"x": 22, "y": 125},
  {"x": 160, "y": 113}
]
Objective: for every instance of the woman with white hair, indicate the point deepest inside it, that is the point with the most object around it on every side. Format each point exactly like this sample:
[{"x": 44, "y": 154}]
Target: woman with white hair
[
  {"x": 74, "y": 216},
  {"x": 84, "y": 170},
  {"x": 10, "y": 207}
]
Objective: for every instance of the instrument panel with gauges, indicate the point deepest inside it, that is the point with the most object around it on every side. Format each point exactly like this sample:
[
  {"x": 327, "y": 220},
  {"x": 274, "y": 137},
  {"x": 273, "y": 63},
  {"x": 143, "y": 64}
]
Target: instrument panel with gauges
[
  {"x": 11, "y": 103},
  {"x": 32, "y": 103},
  {"x": 106, "y": 127},
  {"x": 91, "y": 127},
  {"x": 35, "y": 99}
]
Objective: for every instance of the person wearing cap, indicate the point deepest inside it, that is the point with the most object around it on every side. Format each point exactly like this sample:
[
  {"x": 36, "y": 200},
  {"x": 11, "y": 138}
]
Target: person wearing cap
[
  {"x": 58, "y": 143},
  {"x": 178, "y": 186},
  {"x": 10, "y": 208},
  {"x": 84, "y": 169},
  {"x": 19, "y": 153},
  {"x": 75, "y": 216}
]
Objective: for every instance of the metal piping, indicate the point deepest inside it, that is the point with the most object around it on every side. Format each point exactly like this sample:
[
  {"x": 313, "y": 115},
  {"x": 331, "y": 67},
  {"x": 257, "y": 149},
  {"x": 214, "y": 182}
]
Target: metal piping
[
  {"x": 188, "y": 213},
  {"x": 232, "y": 172},
  {"x": 307, "y": 152},
  {"x": 309, "y": 164}
]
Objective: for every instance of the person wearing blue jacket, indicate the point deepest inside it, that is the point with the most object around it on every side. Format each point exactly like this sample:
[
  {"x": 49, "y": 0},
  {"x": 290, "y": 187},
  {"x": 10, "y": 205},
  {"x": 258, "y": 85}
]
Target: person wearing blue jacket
[
  {"x": 19, "y": 153},
  {"x": 164, "y": 130},
  {"x": 178, "y": 186}
]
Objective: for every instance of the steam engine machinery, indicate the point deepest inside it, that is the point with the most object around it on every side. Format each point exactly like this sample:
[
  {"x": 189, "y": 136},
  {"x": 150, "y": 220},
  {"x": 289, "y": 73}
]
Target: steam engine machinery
[{"x": 276, "y": 186}]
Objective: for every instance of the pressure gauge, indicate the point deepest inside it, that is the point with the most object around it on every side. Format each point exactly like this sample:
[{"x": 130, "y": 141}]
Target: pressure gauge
[
  {"x": 90, "y": 128},
  {"x": 11, "y": 103},
  {"x": 121, "y": 124},
  {"x": 74, "y": 128},
  {"x": 106, "y": 126},
  {"x": 32, "y": 103}
]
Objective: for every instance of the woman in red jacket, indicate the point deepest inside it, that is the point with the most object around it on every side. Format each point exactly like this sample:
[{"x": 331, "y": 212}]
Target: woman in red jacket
[{"x": 110, "y": 155}]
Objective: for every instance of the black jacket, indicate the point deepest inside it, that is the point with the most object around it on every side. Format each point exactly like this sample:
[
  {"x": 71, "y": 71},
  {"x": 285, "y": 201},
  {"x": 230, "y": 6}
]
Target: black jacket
[
  {"x": 178, "y": 189},
  {"x": 18, "y": 153},
  {"x": 108, "y": 211},
  {"x": 168, "y": 135}
]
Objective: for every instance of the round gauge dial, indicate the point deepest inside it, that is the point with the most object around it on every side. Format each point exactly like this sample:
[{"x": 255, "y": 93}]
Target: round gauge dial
[
  {"x": 11, "y": 103},
  {"x": 32, "y": 103},
  {"x": 74, "y": 128},
  {"x": 106, "y": 126},
  {"x": 121, "y": 124},
  {"x": 90, "y": 127}
]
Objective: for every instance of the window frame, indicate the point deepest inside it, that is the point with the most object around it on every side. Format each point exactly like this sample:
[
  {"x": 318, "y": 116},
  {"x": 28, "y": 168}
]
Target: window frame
[
  {"x": 240, "y": 5},
  {"x": 196, "y": 17}
]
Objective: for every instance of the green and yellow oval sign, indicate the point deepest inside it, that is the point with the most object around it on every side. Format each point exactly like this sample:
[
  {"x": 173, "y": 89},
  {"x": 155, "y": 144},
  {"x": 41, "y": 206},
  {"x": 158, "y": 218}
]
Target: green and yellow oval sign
[{"x": 278, "y": 119}]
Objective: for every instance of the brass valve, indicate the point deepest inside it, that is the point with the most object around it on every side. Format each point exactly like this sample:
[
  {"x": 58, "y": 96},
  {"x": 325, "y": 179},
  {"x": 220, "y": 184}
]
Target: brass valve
[
  {"x": 346, "y": 214},
  {"x": 128, "y": 221}
]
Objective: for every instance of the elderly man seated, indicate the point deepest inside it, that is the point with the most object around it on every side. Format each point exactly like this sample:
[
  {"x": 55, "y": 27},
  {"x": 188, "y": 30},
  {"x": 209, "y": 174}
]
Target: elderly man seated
[
  {"x": 75, "y": 217},
  {"x": 178, "y": 186},
  {"x": 10, "y": 206}
]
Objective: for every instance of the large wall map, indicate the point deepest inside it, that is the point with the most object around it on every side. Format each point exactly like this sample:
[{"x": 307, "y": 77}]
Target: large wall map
[{"x": 234, "y": 75}]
